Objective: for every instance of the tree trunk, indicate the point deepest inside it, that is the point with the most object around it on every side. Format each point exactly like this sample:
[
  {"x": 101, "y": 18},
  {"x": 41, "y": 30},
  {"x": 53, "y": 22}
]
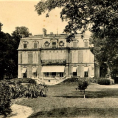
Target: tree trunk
[{"x": 84, "y": 93}]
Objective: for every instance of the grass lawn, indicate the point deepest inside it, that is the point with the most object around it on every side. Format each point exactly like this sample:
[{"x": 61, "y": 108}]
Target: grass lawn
[{"x": 64, "y": 100}]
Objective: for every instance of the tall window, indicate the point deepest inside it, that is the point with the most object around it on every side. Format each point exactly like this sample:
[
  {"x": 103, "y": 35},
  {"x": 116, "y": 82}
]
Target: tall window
[
  {"x": 35, "y": 57},
  {"x": 24, "y": 57},
  {"x": 35, "y": 45}
]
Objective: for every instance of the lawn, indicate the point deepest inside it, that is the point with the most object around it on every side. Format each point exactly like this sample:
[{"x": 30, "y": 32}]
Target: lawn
[{"x": 64, "y": 100}]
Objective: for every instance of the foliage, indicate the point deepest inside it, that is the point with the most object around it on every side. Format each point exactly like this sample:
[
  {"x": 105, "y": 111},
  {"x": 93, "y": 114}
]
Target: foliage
[
  {"x": 70, "y": 80},
  {"x": 22, "y": 80},
  {"x": 29, "y": 90},
  {"x": 21, "y": 32},
  {"x": 98, "y": 16},
  {"x": 105, "y": 81},
  {"x": 82, "y": 83},
  {"x": 85, "y": 14},
  {"x": 5, "y": 99},
  {"x": 8, "y": 51},
  {"x": 7, "y": 63}
]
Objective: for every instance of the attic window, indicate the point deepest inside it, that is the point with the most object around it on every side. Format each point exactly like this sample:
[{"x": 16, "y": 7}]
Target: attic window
[
  {"x": 47, "y": 44},
  {"x": 86, "y": 44},
  {"x": 54, "y": 44},
  {"x": 25, "y": 45}
]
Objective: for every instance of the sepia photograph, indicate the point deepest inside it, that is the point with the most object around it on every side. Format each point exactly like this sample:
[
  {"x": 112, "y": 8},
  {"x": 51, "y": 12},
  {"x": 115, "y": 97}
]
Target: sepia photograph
[{"x": 58, "y": 59}]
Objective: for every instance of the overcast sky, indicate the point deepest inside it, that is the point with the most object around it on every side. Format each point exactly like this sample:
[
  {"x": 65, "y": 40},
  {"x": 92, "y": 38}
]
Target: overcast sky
[{"x": 15, "y": 13}]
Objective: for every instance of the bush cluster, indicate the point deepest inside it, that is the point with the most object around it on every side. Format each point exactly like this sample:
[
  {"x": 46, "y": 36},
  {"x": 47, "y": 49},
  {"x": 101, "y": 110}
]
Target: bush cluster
[
  {"x": 5, "y": 99},
  {"x": 104, "y": 81},
  {"x": 16, "y": 89},
  {"x": 83, "y": 83},
  {"x": 21, "y": 80},
  {"x": 27, "y": 90}
]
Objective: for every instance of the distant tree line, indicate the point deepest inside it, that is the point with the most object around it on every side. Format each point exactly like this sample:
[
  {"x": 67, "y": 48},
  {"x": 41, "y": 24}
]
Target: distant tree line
[{"x": 8, "y": 51}]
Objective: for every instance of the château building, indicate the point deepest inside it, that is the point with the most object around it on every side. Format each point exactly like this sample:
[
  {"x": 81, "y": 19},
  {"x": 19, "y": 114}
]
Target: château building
[{"x": 49, "y": 55}]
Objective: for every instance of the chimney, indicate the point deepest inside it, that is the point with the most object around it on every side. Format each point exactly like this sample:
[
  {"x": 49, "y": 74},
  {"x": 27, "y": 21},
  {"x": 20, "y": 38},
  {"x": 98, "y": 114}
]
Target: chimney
[
  {"x": 1, "y": 26},
  {"x": 44, "y": 32}
]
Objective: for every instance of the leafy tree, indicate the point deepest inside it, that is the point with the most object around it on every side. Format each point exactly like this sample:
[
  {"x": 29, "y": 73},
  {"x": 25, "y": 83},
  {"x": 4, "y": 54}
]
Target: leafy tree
[
  {"x": 82, "y": 84},
  {"x": 21, "y": 32},
  {"x": 6, "y": 54},
  {"x": 17, "y": 34},
  {"x": 98, "y": 16}
]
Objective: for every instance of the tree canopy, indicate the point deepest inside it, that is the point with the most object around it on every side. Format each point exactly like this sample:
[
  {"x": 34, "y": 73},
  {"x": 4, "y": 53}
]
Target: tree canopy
[
  {"x": 98, "y": 16},
  {"x": 21, "y": 32},
  {"x": 94, "y": 15},
  {"x": 8, "y": 51}
]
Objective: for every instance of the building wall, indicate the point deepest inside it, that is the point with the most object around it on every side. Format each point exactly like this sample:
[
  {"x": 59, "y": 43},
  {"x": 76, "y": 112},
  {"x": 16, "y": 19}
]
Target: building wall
[{"x": 39, "y": 51}]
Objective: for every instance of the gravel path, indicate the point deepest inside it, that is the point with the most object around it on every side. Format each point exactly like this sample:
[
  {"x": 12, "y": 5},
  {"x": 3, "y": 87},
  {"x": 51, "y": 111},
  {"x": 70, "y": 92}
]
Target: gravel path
[{"x": 20, "y": 111}]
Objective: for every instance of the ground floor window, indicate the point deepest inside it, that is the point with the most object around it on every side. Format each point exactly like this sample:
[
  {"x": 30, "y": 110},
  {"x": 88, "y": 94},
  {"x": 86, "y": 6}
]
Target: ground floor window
[
  {"x": 53, "y": 74},
  {"x": 35, "y": 74},
  {"x": 25, "y": 75},
  {"x": 61, "y": 74},
  {"x": 85, "y": 74},
  {"x": 46, "y": 74},
  {"x": 74, "y": 73}
]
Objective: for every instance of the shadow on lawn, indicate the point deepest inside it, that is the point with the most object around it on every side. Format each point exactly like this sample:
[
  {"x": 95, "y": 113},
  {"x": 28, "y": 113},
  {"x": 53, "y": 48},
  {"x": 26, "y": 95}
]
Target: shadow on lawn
[
  {"x": 78, "y": 112},
  {"x": 109, "y": 93}
]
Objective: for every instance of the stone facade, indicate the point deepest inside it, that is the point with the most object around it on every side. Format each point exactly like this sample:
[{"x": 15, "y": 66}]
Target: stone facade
[{"x": 51, "y": 56}]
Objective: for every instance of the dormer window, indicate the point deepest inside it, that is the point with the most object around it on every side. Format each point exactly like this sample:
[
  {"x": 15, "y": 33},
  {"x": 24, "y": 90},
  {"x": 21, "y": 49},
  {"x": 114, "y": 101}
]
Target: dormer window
[
  {"x": 53, "y": 44},
  {"x": 86, "y": 43},
  {"x": 25, "y": 44},
  {"x": 46, "y": 44},
  {"x": 61, "y": 43}
]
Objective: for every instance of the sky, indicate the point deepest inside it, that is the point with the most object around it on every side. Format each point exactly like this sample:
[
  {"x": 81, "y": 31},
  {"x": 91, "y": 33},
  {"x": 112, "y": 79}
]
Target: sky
[{"x": 14, "y": 13}]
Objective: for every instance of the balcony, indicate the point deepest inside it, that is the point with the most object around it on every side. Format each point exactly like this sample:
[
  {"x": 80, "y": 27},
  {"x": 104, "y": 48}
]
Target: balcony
[{"x": 53, "y": 62}]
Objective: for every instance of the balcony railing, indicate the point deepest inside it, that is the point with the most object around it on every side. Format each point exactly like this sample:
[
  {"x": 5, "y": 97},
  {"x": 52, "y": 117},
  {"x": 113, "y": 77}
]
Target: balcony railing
[{"x": 50, "y": 62}]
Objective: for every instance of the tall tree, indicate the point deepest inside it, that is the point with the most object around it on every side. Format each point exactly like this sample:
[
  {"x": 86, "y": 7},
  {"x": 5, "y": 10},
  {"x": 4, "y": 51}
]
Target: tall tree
[
  {"x": 17, "y": 34},
  {"x": 21, "y": 32},
  {"x": 98, "y": 16},
  {"x": 6, "y": 54}
]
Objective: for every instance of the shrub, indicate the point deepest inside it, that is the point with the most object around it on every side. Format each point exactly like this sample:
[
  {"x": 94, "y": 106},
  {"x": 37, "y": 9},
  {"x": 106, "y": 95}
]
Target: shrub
[
  {"x": 104, "y": 81},
  {"x": 69, "y": 80},
  {"x": 82, "y": 84},
  {"x": 5, "y": 99},
  {"x": 27, "y": 90},
  {"x": 22, "y": 80}
]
